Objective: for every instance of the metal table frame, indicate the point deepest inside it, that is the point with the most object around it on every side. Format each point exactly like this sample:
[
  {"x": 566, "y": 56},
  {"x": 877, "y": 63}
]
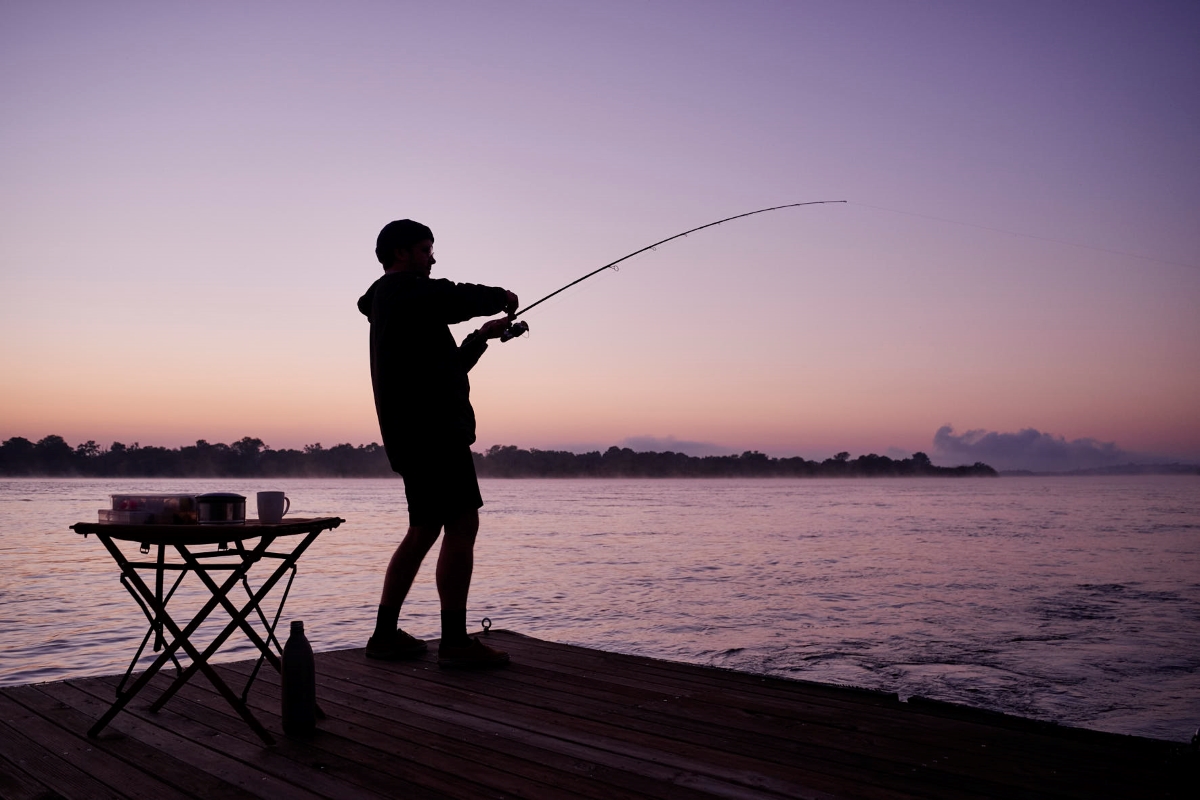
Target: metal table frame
[{"x": 194, "y": 544}]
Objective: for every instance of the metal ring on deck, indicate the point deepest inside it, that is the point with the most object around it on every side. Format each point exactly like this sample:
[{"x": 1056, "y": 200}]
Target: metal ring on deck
[{"x": 487, "y": 624}]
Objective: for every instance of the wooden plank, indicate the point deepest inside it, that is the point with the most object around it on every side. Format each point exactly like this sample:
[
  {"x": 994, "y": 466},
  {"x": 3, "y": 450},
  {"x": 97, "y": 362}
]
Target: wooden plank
[
  {"x": 17, "y": 784},
  {"x": 35, "y": 759},
  {"x": 643, "y": 671},
  {"x": 206, "y": 750},
  {"x": 1145, "y": 766},
  {"x": 710, "y": 733},
  {"x": 784, "y": 737},
  {"x": 735, "y": 687},
  {"x": 675, "y": 673},
  {"x": 708, "y": 744},
  {"x": 681, "y": 764},
  {"x": 373, "y": 760},
  {"x": 1090, "y": 777},
  {"x": 370, "y": 701},
  {"x": 299, "y": 772},
  {"x": 470, "y": 748},
  {"x": 1023, "y": 742},
  {"x": 136, "y": 755}
]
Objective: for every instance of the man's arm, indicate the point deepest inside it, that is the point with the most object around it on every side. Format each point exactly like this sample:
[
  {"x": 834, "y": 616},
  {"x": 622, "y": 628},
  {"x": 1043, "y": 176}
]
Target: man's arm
[
  {"x": 472, "y": 347},
  {"x": 457, "y": 302}
]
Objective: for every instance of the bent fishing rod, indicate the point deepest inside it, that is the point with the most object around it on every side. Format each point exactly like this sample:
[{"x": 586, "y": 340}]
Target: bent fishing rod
[{"x": 518, "y": 328}]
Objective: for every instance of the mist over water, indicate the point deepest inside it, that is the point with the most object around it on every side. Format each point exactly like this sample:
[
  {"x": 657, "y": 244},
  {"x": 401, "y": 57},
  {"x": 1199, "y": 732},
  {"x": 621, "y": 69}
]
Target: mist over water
[{"x": 1068, "y": 599}]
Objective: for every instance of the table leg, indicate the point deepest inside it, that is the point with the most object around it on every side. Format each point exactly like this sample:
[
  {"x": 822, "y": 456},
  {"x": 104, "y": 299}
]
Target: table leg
[
  {"x": 270, "y": 627},
  {"x": 180, "y": 639},
  {"x": 152, "y": 619},
  {"x": 238, "y": 616},
  {"x": 158, "y": 592}
]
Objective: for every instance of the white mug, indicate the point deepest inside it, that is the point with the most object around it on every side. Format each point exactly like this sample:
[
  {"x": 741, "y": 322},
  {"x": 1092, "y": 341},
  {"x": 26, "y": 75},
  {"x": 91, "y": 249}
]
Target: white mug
[{"x": 272, "y": 506}]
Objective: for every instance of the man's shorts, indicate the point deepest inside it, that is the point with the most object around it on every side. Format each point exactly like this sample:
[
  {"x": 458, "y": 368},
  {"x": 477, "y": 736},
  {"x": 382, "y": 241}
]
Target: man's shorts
[{"x": 440, "y": 484}]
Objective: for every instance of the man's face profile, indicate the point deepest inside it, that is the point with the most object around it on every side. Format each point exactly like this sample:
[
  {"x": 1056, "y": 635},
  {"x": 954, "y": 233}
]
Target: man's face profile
[{"x": 417, "y": 259}]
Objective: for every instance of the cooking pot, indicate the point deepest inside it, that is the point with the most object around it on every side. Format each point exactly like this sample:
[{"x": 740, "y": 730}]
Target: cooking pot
[{"x": 221, "y": 508}]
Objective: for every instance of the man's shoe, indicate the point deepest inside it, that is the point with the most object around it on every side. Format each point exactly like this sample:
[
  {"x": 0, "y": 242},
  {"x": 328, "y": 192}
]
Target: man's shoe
[
  {"x": 473, "y": 654},
  {"x": 396, "y": 647}
]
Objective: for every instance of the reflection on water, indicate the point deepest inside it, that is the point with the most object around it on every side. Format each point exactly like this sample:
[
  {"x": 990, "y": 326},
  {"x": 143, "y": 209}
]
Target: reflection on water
[{"x": 1068, "y": 599}]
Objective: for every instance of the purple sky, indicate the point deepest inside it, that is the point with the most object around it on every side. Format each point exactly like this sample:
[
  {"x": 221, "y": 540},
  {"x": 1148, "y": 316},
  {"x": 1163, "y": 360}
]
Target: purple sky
[{"x": 191, "y": 195}]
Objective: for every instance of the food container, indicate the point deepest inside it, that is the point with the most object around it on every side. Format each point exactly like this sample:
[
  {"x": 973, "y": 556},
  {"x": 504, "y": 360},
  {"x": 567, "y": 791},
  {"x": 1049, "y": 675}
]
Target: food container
[
  {"x": 117, "y": 517},
  {"x": 150, "y": 508},
  {"x": 221, "y": 508}
]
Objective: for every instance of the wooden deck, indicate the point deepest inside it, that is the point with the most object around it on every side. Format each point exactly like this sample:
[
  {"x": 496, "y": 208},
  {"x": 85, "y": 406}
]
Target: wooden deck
[{"x": 561, "y": 721}]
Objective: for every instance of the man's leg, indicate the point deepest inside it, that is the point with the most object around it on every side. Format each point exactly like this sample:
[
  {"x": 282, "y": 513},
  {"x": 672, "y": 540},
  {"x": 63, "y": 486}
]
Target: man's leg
[
  {"x": 387, "y": 642},
  {"x": 456, "y": 562},
  {"x": 406, "y": 561}
]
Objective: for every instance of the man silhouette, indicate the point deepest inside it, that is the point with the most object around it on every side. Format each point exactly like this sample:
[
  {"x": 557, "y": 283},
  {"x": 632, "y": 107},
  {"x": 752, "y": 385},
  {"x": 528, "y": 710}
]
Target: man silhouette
[{"x": 422, "y": 399}]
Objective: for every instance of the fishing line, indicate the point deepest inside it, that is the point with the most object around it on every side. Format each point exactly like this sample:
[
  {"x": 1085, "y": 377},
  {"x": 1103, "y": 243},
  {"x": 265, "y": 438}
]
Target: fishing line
[
  {"x": 612, "y": 265},
  {"x": 1029, "y": 236}
]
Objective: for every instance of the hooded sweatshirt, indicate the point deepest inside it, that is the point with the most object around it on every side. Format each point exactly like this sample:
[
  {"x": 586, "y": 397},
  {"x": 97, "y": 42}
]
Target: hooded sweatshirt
[{"x": 422, "y": 395}]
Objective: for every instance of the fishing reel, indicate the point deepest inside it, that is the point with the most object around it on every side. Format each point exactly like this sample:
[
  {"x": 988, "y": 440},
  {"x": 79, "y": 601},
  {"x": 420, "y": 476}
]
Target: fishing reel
[{"x": 515, "y": 330}]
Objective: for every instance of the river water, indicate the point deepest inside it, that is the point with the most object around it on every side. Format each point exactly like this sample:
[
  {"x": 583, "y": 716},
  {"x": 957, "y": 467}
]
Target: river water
[{"x": 1067, "y": 599}]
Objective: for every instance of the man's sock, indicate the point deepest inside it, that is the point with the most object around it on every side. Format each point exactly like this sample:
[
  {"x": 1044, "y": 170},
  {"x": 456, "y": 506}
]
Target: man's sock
[
  {"x": 385, "y": 621},
  {"x": 454, "y": 626}
]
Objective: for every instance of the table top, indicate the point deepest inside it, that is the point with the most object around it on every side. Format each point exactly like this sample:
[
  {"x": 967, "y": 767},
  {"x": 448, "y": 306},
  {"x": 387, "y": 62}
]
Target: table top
[{"x": 206, "y": 534}]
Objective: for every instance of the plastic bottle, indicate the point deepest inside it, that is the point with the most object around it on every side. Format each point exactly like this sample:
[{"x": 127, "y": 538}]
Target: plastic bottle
[{"x": 299, "y": 684}]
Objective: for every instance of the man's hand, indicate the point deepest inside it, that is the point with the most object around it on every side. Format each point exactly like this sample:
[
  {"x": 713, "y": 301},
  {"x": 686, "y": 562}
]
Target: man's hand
[
  {"x": 512, "y": 305},
  {"x": 493, "y": 328}
]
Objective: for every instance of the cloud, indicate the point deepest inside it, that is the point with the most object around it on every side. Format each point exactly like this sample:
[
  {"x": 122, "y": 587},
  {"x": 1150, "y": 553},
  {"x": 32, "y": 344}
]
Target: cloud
[
  {"x": 654, "y": 444},
  {"x": 1027, "y": 449}
]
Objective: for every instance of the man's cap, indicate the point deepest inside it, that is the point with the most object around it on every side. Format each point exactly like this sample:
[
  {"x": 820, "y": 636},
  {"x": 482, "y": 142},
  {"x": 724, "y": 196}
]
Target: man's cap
[{"x": 399, "y": 235}]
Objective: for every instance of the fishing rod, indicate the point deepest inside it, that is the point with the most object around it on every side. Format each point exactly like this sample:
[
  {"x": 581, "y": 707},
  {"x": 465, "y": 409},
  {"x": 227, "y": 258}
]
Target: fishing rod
[{"x": 518, "y": 328}]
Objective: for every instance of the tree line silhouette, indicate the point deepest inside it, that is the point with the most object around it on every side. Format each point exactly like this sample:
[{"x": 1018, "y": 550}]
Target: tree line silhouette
[{"x": 250, "y": 457}]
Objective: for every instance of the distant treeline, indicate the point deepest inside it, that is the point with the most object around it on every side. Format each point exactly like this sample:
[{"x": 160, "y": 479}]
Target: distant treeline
[
  {"x": 247, "y": 457},
  {"x": 621, "y": 462},
  {"x": 250, "y": 457}
]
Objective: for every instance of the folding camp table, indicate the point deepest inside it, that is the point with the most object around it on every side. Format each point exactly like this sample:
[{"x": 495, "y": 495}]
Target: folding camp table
[{"x": 205, "y": 550}]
